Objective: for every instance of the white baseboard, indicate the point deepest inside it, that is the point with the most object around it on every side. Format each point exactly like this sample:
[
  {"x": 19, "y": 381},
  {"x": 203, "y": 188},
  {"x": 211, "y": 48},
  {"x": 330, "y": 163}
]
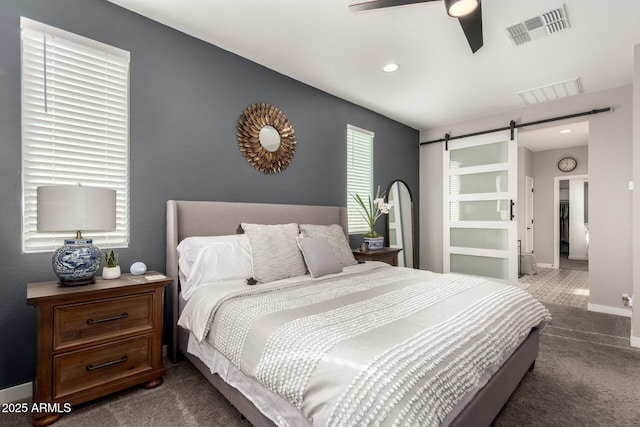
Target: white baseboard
[
  {"x": 635, "y": 342},
  {"x": 18, "y": 392},
  {"x": 578, "y": 258},
  {"x": 543, "y": 265},
  {"x": 625, "y": 312}
]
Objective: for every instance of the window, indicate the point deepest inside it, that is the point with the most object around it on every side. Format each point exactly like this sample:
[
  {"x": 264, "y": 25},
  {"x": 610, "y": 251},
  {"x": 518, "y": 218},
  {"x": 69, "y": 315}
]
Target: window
[
  {"x": 359, "y": 174},
  {"x": 75, "y": 125}
]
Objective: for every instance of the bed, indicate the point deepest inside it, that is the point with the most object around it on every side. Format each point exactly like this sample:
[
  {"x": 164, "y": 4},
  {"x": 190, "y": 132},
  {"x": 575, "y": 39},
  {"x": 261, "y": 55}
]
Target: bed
[{"x": 274, "y": 396}]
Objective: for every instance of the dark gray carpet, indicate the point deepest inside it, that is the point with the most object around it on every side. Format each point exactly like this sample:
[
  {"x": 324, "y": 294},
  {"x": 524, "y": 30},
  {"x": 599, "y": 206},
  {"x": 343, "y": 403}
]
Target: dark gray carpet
[{"x": 586, "y": 375}]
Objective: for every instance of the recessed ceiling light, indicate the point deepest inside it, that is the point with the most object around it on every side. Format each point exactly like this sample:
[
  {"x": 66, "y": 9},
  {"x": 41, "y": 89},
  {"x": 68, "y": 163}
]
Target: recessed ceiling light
[
  {"x": 390, "y": 68},
  {"x": 565, "y": 131}
]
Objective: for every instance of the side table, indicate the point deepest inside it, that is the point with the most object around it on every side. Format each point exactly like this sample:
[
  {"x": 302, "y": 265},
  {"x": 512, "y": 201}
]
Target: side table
[
  {"x": 96, "y": 339},
  {"x": 386, "y": 254}
]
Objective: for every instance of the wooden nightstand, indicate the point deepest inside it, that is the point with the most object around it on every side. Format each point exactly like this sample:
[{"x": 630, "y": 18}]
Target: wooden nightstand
[
  {"x": 96, "y": 339},
  {"x": 388, "y": 255}
]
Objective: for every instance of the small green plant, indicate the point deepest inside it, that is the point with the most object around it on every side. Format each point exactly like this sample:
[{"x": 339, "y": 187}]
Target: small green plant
[{"x": 111, "y": 258}]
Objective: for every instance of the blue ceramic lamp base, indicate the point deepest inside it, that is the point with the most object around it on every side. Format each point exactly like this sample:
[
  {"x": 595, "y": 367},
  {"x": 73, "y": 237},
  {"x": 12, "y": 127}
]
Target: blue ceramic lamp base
[{"x": 76, "y": 262}]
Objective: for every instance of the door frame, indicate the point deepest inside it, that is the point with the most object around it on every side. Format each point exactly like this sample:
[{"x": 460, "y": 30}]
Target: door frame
[
  {"x": 556, "y": 209},
  {"x": 529, "y": 199}
]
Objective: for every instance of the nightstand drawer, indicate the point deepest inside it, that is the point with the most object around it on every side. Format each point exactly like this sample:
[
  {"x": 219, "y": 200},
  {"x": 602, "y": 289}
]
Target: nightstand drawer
[
  {"x": 94, "y": 367},
  {"x": 84, "y": 323}
]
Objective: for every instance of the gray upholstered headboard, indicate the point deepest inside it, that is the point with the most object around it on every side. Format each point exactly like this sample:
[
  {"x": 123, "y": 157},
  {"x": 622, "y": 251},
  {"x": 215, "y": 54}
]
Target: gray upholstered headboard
[{"x": 196, "y": 218}]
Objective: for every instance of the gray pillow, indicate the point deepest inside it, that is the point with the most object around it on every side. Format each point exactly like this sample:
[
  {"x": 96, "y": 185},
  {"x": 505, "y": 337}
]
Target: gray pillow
[
  {"x": 274, "y": 251},
  {"x": 319, "y": 257},
  {"x": 338, "y": 241}
]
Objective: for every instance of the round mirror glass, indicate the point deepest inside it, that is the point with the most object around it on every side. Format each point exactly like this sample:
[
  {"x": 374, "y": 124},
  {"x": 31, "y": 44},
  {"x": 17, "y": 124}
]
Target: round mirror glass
[{"x": 269, "y": 138}]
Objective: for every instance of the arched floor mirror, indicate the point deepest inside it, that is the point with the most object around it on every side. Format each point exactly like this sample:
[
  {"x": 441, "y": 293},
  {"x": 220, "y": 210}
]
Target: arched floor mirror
[{"x": 400, "y": 222}]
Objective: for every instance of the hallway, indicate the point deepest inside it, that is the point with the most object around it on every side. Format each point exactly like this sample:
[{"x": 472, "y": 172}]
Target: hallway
[
  {"x": 558, "y": 286},
  {"x": 572, "y": 264}
]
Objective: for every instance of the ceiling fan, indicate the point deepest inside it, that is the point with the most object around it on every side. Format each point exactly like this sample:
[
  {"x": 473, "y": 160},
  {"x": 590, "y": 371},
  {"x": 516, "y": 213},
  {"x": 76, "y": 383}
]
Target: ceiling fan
[{"x": 468, "y": 12}]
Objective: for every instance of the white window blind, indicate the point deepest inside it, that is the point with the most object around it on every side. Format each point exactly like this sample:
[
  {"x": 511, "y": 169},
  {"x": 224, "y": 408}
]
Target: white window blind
[
  {"x": 75, "y": 125},
  {"x": 359, "y": 175}
]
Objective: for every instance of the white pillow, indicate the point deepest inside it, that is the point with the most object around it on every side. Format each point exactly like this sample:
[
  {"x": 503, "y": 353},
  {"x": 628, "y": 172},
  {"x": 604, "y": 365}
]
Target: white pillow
[
  {"x": 204, "y": 260},
  {"x": 338, "y": 241},
  {"x": 319, "y": 257},
  {"x": 274, "y": 251}
]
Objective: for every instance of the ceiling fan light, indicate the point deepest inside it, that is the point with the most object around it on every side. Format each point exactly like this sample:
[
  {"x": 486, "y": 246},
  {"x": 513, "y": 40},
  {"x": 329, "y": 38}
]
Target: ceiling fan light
[
  {"x": 458, "y": 8},
  {"x": 390, "y": 68}
]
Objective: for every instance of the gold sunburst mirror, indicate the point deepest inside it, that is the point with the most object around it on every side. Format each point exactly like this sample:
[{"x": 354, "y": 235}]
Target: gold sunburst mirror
[{"x": 266, "y": 138}]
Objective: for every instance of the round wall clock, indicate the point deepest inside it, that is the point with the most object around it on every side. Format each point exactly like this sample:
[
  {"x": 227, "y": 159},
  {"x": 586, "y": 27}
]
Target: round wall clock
[{"x": 567, "y": 164}]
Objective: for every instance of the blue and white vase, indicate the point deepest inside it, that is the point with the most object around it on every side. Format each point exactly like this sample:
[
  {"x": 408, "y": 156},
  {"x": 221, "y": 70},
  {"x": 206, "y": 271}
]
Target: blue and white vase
[
  {"x": 76, "y": 262},
  {"x": 375, "y": 243}
]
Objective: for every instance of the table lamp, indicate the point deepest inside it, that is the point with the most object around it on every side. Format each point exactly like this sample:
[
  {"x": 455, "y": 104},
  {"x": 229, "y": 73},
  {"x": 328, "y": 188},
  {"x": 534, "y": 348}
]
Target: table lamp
[{"x": 76, "y": 208}]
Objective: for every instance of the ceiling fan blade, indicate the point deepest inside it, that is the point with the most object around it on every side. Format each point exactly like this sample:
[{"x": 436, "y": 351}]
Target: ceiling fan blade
[
  {"x": 472, "y": 27},
  {"x": 379, "y": 4}
]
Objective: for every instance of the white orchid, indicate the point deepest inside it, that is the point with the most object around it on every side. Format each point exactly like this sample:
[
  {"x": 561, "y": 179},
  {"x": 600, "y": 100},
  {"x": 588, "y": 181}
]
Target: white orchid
[
  {"x": 372, "y": 211},
  {"x": 382, "y": 206}
]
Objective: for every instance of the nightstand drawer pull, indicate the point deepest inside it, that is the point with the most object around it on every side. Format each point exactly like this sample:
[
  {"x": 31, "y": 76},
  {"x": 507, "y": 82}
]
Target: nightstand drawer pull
[
  {"x": 108, "y": 319},
  {"x": 104, "y": 365}
]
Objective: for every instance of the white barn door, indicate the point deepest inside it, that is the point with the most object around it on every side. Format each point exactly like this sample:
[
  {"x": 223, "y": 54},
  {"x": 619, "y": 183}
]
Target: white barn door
[{"x": 480, "y": 222}]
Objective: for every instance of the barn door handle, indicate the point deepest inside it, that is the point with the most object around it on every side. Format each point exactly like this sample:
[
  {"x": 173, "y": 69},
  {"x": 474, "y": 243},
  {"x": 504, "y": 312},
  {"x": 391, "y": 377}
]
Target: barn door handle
[{"x": 512, "y": 204}]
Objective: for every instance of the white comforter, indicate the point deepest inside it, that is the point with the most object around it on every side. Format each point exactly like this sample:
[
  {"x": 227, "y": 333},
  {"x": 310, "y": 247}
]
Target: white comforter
[{"x": 377, "y": 345}]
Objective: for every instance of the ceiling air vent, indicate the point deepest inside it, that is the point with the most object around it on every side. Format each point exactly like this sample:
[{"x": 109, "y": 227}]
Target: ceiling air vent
[
  {"x": 551, "y": 92},
  {"x": 538, "y": 26}
]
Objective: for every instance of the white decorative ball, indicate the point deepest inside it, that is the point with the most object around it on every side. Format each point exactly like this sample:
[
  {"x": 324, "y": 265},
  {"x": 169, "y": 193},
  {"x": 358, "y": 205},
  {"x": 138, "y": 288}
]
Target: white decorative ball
[{"x": 138, "y": 268}]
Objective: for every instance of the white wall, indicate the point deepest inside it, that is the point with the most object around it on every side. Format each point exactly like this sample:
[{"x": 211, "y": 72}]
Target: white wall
[
  {"x": 430, "y": 219},
  {"x": 525, "y": 168},
  {"x": 635, "y": 321},
  {"x": 610, "y": 170}
]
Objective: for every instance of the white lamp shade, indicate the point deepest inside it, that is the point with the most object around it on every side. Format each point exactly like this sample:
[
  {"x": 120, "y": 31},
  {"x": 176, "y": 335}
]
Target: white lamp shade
[{"x": 76, "y": 208}]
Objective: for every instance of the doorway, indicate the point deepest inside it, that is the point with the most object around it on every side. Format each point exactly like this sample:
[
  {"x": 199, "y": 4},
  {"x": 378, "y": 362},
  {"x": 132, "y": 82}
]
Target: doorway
[
  {"x": 539, "y": 154},
  {"x": 571, "y": 231}
]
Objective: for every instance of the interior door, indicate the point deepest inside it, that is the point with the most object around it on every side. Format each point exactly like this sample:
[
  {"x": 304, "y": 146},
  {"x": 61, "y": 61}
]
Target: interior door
[
  {"x": 480, "y": 222},
  {"x": 528, "y": 191}
]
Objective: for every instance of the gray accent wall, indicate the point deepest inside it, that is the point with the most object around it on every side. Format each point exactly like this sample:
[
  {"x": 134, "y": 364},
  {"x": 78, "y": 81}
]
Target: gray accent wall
[{"x": 186, "y": 97}]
